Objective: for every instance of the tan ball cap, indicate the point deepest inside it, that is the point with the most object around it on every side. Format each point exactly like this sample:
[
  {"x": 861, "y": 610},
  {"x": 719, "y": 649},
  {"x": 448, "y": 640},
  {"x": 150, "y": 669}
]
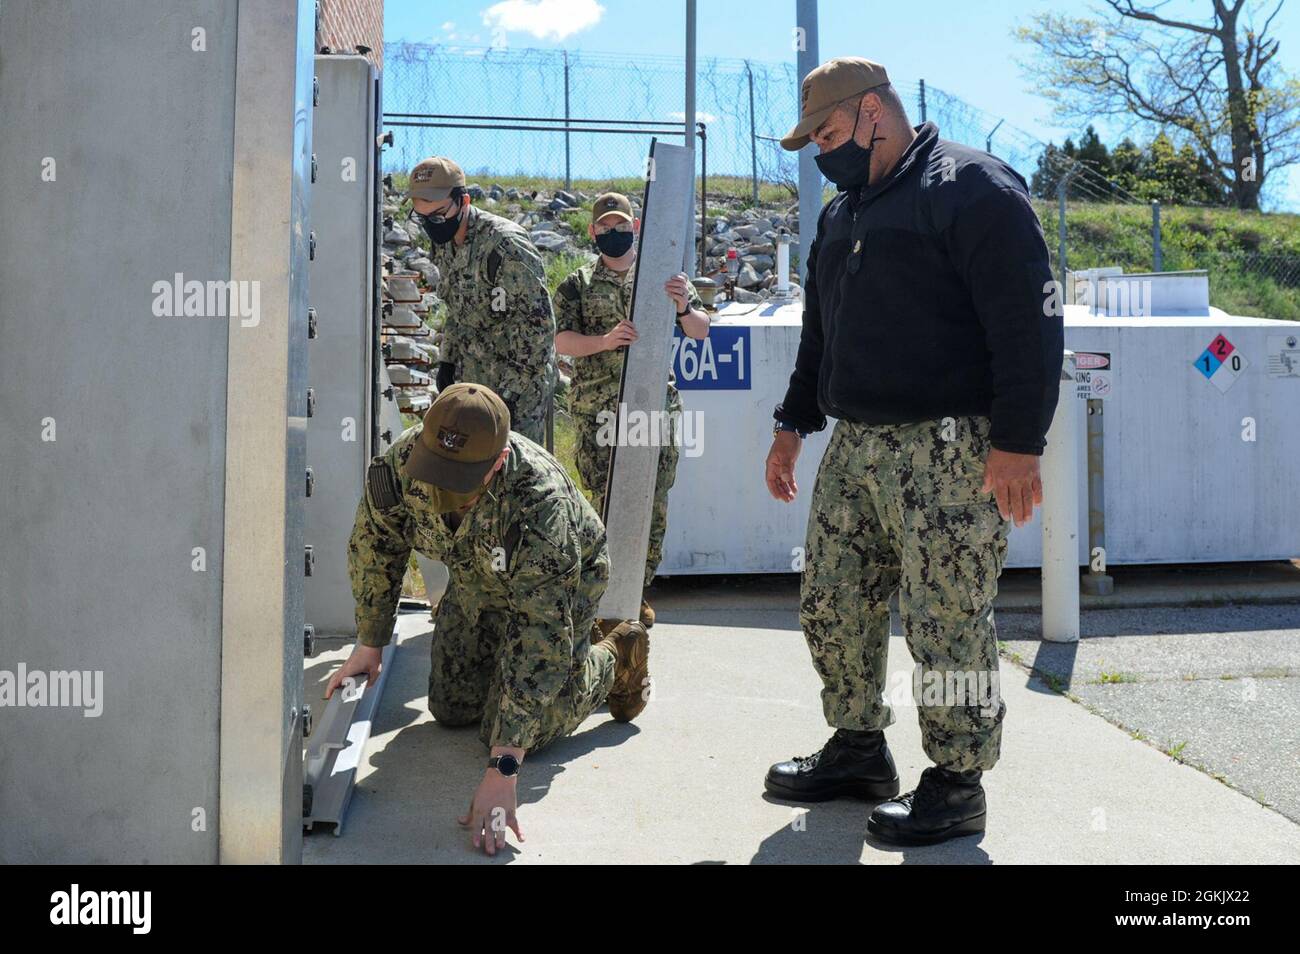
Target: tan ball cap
[
  {"x": 464, "y": 431},
  {"x": 434, "y": 178},
  {"x": 825, "y": 86},
  {"x": 611, "y": 203}
]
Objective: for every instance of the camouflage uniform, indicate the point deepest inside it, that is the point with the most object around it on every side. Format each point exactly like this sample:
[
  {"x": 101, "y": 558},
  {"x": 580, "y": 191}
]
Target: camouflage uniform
[
  {"x": 592, "y": 301},
  {"x": 899, "y": 507},
  {"x": 512, "y": 644},
  {"x": 510, "y": 348}
]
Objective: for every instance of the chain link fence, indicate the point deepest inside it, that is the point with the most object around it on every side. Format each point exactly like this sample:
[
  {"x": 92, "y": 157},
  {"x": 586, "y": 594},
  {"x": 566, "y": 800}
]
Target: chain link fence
[{"x": 549, "y": 119}]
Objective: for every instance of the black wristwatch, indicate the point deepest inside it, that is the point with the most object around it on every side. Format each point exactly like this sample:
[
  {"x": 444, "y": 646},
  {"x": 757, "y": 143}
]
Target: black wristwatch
[
  {"x": 683, "y": 314},
  {"x": 507, "y": 765},
  {"x": 780, "y": 426}
]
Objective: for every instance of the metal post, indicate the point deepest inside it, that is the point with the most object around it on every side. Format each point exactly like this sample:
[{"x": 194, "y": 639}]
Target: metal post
[
  {"x": 568, "y": 173},
  {"x": 783, "y": 263},
  {"x": 704, "y": 194},
  {"x": 810, "y": 178},
  {"x": 988, "y": 143},
  {"x": 1157, "y": 253},
  {"x": 1060, "y": 227},
  {"x": 753, "y": 135},
  {"x": 689, "y": 264},
  {"x": 923, "y": 117},
  {"x": 1060, "y": 470},
  {"x": 1096, "y": 580}
]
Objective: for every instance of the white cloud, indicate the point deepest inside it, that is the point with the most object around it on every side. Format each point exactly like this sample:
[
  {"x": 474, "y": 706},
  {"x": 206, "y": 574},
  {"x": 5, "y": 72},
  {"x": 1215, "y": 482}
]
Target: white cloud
[
  {"x": 699, "y": 117},
  {"x": 448, "y": 26},
  {"x": 543, "y": 19}
]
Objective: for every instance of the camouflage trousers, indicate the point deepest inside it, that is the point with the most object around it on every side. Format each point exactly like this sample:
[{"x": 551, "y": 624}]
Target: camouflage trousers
[
  {"x": 898, "y": 508},
  {"x": 593, "y": 461},
  {"x": 465, "y": 674}
]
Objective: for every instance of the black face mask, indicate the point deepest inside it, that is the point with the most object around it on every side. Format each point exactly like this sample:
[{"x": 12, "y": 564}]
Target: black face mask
[
  {"x": 615, "y": 244},
  {"x": 849, "y": 165},
  {"x": 440, "y": 231}
]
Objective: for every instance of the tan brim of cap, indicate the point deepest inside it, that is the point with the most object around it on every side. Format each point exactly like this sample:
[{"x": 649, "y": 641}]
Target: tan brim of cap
[
  {"x": 797, "y": 138},
  {"x": 428, "y": 193},
  {"x": 619, "y": 212},
  {"x": 457, "y": 476}
]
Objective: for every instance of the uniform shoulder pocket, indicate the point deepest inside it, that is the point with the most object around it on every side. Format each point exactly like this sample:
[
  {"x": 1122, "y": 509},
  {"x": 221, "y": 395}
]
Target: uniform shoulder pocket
[
  {"x": 382, "y": 484},
  {"x": 569, "y": 290}
]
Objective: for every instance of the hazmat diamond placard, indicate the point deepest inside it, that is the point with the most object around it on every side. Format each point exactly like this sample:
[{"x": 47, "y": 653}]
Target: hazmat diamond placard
[{"x": 1221, "y": 363}]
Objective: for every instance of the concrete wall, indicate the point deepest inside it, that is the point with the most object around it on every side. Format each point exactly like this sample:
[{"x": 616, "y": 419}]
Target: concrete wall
[
  {"x": 342, "y": 287},
  {"x": 116, "y": 173}
]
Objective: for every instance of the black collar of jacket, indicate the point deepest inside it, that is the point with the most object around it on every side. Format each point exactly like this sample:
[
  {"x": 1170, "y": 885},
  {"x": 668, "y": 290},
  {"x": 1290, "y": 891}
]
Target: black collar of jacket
[{"x": 916, "y": 154}]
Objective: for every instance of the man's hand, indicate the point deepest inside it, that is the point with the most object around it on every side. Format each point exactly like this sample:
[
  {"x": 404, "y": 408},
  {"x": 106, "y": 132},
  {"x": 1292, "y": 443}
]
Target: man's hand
[
  {"x": 679, "y": 290},
  {"x": 365, "y": 660},
  {"x": 780, "y": 465},
  {"x": 492, "y": 810},
  {"x": 1015, "y": 482},
  {"x": 624, "y": 333}
]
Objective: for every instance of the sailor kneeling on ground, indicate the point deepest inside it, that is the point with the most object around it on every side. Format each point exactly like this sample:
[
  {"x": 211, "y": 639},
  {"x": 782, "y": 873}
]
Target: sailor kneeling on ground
[{"x": 517, "y": 649}]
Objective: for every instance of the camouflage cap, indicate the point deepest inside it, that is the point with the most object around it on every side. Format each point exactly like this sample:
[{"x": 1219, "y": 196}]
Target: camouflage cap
[
  {"x": 464, "y": 432},
  {"x": 833, "y": 81},
  {"x": 611, "y": 203},
  {"x": 434, "y": 178}
]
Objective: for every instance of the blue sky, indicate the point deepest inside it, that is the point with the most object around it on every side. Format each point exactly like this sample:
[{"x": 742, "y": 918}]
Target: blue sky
[{"x": 965, "y": 48}]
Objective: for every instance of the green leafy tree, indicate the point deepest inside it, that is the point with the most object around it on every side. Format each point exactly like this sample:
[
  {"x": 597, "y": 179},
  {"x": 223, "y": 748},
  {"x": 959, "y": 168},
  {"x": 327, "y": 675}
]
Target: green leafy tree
[{"x": 1210, "y": 82}]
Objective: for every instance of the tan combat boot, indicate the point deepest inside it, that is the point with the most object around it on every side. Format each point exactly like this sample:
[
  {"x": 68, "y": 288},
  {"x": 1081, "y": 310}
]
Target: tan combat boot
[
  {"x": 630, "y": 644},
  {"x": 647, "y": 614}
]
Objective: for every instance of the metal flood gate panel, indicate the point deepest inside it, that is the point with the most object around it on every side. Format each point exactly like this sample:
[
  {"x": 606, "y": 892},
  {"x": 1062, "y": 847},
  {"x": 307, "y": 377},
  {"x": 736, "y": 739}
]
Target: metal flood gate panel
[
  {"x": 342, "y": 277},
  {"x": 660, "y": 253},
  {"x": 152, "y": 465}
]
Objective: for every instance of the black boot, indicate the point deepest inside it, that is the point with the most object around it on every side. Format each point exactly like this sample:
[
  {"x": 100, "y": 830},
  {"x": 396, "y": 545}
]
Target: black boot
[
  {"x": 943, "y": 805},
  {"x": 853, "y": 764}
]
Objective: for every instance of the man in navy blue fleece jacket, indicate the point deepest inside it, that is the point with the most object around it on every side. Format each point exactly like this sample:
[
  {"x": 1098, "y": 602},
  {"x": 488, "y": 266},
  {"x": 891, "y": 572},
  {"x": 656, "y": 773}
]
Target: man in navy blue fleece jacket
[{"x": 931, "y": 332}]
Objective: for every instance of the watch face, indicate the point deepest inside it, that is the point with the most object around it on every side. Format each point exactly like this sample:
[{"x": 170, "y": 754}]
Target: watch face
[{"x": 507, "y": 765}]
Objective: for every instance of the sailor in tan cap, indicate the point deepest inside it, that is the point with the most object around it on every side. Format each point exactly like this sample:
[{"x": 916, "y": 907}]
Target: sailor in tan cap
[
  {"x": 591, "y": 322},
  {"x": 928, "y": 336},
  {"x": 499, "y": 329},
  {"x": 516, "y": 651}
]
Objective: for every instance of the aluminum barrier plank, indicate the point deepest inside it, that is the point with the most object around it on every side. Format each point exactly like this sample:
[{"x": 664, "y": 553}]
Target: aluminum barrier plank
[
  {"x": 335, "y": 748},
  {"x": 634, "y": 463}
]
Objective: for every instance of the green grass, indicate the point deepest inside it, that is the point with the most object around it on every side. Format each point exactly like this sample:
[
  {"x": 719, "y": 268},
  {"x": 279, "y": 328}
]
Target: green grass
[
  {"x": 560, "y": 265},
  {"x": 1114, "y": 678},
  {"x": 566, "y": 445}
]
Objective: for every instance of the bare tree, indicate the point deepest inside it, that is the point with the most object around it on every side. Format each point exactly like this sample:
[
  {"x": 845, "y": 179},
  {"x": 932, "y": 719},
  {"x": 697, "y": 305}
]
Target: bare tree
[{"x": 1214, "y": 83}]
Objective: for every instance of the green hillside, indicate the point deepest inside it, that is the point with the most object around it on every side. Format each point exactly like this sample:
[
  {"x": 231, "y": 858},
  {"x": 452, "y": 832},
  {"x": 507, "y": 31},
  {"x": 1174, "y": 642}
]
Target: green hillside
[{"x": 1253, "y": 258}]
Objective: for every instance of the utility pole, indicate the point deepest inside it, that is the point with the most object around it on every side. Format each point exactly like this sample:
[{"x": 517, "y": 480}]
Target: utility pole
[
  {"x": 810, "y": 177},
  {"x": 689, "y": 264},
  {"x": 568, "y": 172},
  {"x": 753, "y": 134}
]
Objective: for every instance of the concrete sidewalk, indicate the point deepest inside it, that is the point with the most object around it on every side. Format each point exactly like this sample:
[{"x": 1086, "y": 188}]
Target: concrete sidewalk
[{"x": 734, "y": 691}]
